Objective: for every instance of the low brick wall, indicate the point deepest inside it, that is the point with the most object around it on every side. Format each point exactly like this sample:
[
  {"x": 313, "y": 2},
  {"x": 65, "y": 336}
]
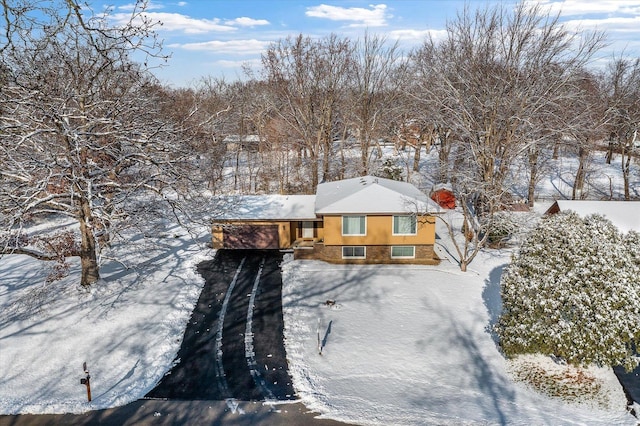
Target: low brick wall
[{"x": 425, "y": 255}]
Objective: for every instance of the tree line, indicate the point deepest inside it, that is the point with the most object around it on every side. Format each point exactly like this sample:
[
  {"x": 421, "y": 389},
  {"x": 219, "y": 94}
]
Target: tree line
[{"x": 86, "y": 129}]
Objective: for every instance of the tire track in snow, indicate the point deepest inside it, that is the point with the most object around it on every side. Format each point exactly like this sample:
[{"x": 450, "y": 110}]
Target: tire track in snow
[
  {"x": 250, "y": 355},
  {"x": 220, "y": 375}
]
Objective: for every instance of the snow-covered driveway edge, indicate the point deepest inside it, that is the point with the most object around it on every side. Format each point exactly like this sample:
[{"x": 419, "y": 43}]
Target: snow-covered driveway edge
[{"x": 295, "y": 326}]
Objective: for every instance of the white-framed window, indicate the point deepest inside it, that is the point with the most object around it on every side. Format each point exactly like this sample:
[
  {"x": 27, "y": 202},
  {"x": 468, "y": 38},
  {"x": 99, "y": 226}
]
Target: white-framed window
[
  {"x": 403, "y": 252},
  {"x": 354, "y": 252},
  {"x": 354, "y": 225},
  {"x": 405, "y": 225}
]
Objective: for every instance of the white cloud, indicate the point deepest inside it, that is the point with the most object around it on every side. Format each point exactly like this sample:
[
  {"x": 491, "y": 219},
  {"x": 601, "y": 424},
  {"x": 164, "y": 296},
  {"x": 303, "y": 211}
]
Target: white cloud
[
  {"x": 133, "y": 6},
  {"x": 238, "y": 47},
  {"x": 189, "y": 25},
  {"x": 253, "y": 63},
  {"x": 247, "y": 22},
  {"x": 361, "y": 17},
  {"x": 178, "y": 22},
  {"x": 609, "y": 25},
  {"x": 182, "y": 3},
  {"x": 586, "y": 7},
  {"x": 417, "y": 35}
]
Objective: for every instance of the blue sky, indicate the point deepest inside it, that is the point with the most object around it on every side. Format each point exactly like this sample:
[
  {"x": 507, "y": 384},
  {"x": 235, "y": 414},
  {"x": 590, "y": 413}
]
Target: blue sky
[{"x": 215, "y": 37}]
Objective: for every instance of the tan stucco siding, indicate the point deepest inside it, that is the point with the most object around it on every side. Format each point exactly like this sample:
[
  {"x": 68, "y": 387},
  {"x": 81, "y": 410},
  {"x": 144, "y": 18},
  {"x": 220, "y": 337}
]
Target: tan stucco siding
[
  {"x": 379, "y": 231},
  {"x": 217, "y": 236},
  {"x": 284, "y": 232},
  {"x": 320, "y": 230}
]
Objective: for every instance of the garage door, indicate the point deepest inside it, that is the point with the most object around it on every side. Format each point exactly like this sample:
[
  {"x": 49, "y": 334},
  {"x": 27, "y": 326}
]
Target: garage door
[{"x": 251, "y": 237}]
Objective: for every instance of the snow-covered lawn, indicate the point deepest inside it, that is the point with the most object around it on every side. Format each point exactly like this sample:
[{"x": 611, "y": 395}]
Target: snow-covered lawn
[
  {"x": 410, "y": 345},
  {"x": 127, "y": 328}
]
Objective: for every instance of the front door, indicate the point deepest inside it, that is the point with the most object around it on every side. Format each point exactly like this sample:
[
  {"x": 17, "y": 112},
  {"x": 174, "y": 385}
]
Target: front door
[{"x": 307, "y": 230}]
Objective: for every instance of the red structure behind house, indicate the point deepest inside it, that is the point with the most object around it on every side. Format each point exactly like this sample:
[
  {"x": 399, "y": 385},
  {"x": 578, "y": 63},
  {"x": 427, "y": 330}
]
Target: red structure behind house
[{"x": 444, "y": 197}]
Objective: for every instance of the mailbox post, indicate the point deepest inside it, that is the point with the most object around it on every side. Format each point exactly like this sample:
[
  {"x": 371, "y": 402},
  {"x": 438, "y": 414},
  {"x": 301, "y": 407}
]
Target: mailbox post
[{"x": 86, "y": 381}]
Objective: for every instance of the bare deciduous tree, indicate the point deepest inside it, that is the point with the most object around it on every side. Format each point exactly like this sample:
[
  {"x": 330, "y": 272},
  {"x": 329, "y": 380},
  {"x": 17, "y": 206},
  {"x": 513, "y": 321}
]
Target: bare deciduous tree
[
  {"x": 584, "y": 118},
  {"x": 308, "y": 77},
  {"x": 495, "y": 78},
  {"x": 374, "y": 92},
  {"x": 203, "y": 116},
  {"x": 623, "y": 84},
  {"x": 81, "y": 130}
]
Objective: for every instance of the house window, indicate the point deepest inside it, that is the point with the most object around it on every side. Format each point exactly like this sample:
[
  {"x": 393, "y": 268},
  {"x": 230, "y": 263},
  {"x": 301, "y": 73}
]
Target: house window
[
  {"x": 403, "y": 252},
  {"x": 354, "y": 225},
  {"x": 354, "y": 252},
  {"x": 405, "y": 225}
]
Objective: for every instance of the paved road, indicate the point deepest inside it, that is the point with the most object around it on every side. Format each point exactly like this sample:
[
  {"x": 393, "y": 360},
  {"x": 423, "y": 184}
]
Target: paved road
[
  {"x": 232, "y": 358},
  {"x": 630, "y": 382},
  {"x": 233, "y": 346},
  {"x": 180, "y": 413}
]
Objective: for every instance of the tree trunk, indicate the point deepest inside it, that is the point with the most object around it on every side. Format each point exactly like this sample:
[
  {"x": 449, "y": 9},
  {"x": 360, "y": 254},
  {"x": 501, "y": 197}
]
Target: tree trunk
[
  {"x": 88, "y": 259},
  {"x": 626, "y": 165},
  {"x": 609, "y": 156},
  {"x": 443, "y": 156},
  {"x": 343, "y": 163},
  {"x": 533, "y": 175},
  {"x": 314, "y": 172},
  {"x": 237, "y": 172},
  {"x": 556, "y": 149},
  {"x": 326, "y": 161},
  {"x": 578, "y": 184},
  {"x": 416, "y": 157},
  {"x": 379, "y": 149},
  {"x": 364, "y": 155}
]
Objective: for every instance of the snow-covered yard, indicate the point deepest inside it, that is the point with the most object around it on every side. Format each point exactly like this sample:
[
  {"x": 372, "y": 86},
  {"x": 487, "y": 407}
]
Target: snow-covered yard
[
  {"x": 127, "y": 328},
  {"x": 411, "y": 345}
]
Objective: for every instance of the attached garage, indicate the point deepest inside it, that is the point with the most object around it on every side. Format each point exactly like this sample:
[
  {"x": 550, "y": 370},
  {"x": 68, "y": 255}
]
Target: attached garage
[
  {"x": 263, "y": 222},
  {"x": 247, "y": 236}
]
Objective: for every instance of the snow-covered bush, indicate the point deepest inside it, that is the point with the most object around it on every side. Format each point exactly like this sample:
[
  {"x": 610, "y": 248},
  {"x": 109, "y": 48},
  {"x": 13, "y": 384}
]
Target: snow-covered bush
[
  {"x": 502, "y": 228},
  {"x": 572, "y": 291},
  {"x": 632, "y": 242},
  {"x": 390, "y": 170}
]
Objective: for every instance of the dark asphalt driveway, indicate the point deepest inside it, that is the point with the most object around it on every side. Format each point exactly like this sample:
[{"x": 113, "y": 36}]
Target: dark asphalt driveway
[
  {"x": 233, "y": 345},
  {"x": 630, "y": 382},
  {"x": 227, "y": 368}
]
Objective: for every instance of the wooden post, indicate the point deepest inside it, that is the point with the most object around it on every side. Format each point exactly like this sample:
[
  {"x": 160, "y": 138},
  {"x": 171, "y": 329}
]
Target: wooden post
[
  {"x": 319, "y": 343},
  {"x": 86, "y": 381}
]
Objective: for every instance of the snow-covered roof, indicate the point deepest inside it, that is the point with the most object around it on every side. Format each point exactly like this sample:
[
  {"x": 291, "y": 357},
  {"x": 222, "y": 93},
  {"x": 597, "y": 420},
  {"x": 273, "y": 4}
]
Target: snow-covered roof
[
  {"x": 241, "y": 138},
  {"x": 371, "y": 195},
  {"x": 624, "y": 214},
  {"x": 265, "y": 207},
  {"x": 439, "y": 186},
  {"x": 368, "y": 195}
]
